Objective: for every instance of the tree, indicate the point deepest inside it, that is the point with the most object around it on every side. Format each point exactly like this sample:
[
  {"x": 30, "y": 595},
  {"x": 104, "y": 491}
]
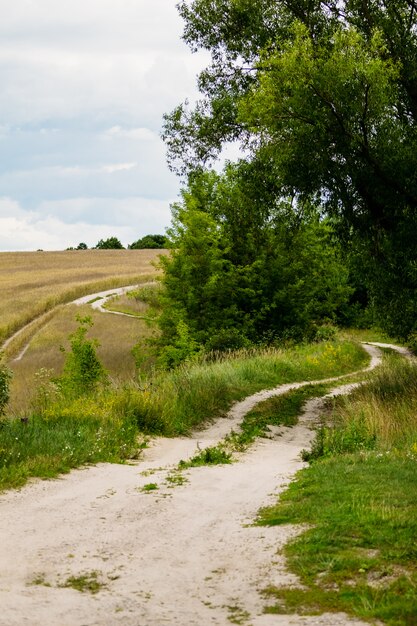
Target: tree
[
  {"x": 150, "y": 242},
  {"x": 235, "y": 278},
  {"x": 82, "y": 246},
  {"x": 326, "y": 92},
  {"x": 112, "y": 243}
]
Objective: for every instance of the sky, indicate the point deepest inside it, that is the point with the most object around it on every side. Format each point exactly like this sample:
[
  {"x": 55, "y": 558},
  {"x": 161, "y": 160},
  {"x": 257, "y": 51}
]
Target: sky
[{"x": 84, "y": 86}]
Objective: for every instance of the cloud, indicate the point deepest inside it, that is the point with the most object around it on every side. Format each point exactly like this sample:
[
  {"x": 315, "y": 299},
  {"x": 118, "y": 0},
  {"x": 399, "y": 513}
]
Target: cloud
[
  {"x": 139, "y": 134},
  {"x": 46, "y": 227},
  {"x": 84, "y": 89}
]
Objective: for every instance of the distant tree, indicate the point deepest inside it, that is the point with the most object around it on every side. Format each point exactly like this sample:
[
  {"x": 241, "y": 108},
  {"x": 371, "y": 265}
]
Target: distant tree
[
  {"x": 82, "y": 246},
  {"x": 150, "y": 241},
  {"x": 112, "y": 243}
]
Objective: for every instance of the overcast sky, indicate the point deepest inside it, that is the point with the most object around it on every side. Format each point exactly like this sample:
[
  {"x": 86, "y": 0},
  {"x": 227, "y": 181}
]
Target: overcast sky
[{"x": 84, "y": 85}]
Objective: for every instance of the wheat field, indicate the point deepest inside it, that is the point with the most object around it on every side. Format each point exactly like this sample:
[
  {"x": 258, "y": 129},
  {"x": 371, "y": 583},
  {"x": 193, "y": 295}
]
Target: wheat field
[
  {"x": 32, "y": 283},
  {"x": 36, "y": 286}
]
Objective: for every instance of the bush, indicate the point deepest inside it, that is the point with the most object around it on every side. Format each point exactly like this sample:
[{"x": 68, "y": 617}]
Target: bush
[
  {"x": 83, "y": 371},
  {"x": 5, "y": 377}
]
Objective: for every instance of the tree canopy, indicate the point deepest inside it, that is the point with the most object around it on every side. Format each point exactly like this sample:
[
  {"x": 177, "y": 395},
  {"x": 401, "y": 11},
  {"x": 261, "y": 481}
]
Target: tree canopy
[
  {"x": 324, "y": 95},
  {"x": 150, "y": 242},
  {"x": 112, "y": 243}
]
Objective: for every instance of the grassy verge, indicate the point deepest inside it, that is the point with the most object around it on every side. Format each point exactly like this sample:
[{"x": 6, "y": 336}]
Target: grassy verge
[
  {"x": 48, "y": 447},
  {"x": 168, "y": 403},
  {"x": 276, "y": 411},
  {"x": 179, "y": 401},
  {"x": 359, "y": 500}
]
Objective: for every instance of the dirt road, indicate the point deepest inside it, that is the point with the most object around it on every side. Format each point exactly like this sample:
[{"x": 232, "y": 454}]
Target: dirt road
[{"x": 183, "y": 554}]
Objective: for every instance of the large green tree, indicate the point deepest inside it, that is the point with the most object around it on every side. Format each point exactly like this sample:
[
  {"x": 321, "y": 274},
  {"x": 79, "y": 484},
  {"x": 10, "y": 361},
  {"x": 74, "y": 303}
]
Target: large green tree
[
  {"x": 239, "y": 275},
  {"x": 326, "y": 94}
]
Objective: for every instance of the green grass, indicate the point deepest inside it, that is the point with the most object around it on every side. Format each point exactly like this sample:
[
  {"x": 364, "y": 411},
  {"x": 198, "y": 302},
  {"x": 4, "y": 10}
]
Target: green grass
[
  {"x": 63, "y": 433},
  {"x": 281, "y": 410},
  {"x": 213, "y": 455},
  {"x": 360, "y": 555},
  {"x": 149, "y": 487},
  {"x": 359, "y": 500},
  {"x": 181, "y": 400},
  {"x": 85, "y": 582},
  {"x": 47, "y": 447}
]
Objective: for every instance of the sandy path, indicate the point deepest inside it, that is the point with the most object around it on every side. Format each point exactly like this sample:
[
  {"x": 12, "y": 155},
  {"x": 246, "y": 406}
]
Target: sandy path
[
  {"x": 99, "y": 299},
  {"x": 182, "y": 554}
]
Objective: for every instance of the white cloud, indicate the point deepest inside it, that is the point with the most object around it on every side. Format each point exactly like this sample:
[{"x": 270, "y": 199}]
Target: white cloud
[
  {"x": 41, "y": 229},
  {"x": 84, "y": 88},
  {"x": 139, "y": 134},
  {"x": 117, "y": 167}
]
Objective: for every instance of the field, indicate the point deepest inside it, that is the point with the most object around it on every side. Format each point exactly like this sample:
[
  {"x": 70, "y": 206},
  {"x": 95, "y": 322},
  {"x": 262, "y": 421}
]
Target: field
[
  {"x": 32, "y": 283},
  {"x": 36, "y": 284}
]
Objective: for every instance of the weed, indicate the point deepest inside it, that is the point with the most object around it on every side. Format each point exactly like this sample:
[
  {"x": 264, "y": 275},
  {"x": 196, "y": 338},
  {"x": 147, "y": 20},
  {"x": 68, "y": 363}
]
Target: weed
[
  {"x": 149, "y": 487},
  {"x": 85, "y": 582},
  {"x": 83, "y": 371},
  {"x": 237, "y": 615},
  {"x": 40, "y": 579},
  {"x": 176, "y": 479},
  {"x": 215, "y": 455}
]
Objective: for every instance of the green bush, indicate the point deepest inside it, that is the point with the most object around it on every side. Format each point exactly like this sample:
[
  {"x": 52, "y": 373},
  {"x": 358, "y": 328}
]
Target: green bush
[
  {"x": 83, "y": 371},
  {"x": 5, "y": 377}
]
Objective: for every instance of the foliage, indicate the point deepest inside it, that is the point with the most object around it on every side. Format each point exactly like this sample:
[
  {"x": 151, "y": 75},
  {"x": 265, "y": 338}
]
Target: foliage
[
  {"x": 54, "y": 443},
  {"x": 149, "y": 242},
  {"x": 83, "y": 371},
  {"x": 236, "y": 277},
  {"x": 213, "y": 455},
  {"x": 112, "y": 243},
  {"x": 324, "y": 94},
  {"x": 5, "y": 377}
]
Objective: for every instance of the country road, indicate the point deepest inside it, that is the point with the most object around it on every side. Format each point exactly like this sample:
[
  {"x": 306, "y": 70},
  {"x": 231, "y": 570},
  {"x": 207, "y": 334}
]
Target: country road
[{"x": 182, "y": 554}]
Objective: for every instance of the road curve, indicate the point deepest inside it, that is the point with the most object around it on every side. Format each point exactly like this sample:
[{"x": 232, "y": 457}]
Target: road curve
[{"x": 183, "y": 554}]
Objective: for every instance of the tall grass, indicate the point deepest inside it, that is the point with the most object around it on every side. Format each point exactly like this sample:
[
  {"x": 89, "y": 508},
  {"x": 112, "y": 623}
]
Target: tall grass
[
  {"x": 115, "y": 334},
  {"x": 358, "y": 503},
  {"x": 176, "y": 402},
  {"x": 381, "y": 414}
]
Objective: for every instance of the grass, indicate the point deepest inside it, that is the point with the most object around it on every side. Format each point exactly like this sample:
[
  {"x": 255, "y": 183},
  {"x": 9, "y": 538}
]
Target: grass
[
  {"x": 149, "y": 487},
  {"x": 358, "y": 500},
  {"x": 85, "y": 582},
  {"x": 115, "y": 334},
  {"x": 63, "y": 432},
  {"x": 46, "y": 447},
  {"x": 33, "y": 283},
  {"x": 213, "y": 455},
  {"x": 276, "y": 411},
  {"x": 180, "y": 401}
]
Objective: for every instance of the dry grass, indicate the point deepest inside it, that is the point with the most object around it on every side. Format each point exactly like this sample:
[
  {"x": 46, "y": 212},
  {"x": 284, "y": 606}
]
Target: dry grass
[
  {"x": 33, "y": 286},
  {"x": 32, "y": 283},
  {"x": 116, "y": 334}
]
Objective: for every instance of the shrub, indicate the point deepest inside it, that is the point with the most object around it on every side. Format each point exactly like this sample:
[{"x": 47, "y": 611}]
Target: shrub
[
  {"x": 83, "y": 371},
  {"x": 5, "y": 377}
]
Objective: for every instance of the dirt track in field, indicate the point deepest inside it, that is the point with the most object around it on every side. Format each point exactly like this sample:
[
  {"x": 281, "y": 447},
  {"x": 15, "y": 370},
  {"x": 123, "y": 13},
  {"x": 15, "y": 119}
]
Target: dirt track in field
[{"x": 182, "y": 554}]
